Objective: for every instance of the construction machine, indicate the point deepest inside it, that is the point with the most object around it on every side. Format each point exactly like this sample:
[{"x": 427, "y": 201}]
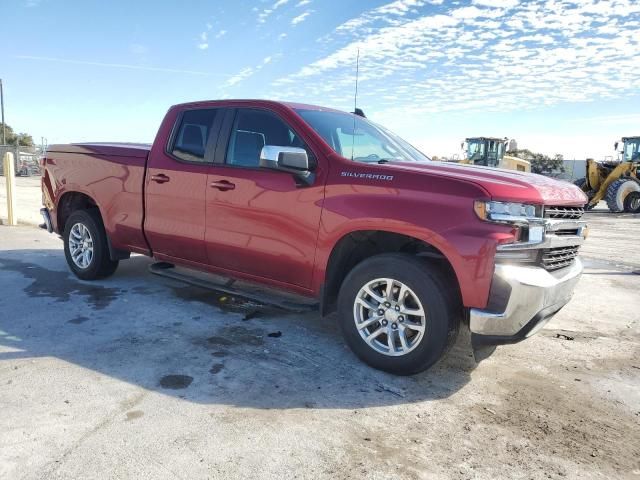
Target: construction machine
[
  {"x": 490, "y": 152},
  {"x": 614, "y": 181}
]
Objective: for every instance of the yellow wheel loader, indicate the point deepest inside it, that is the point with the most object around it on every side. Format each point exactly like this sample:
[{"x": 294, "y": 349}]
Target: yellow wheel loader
[
  {"x": 614, "y": 181},
  {"x": 490, "y": 152}
]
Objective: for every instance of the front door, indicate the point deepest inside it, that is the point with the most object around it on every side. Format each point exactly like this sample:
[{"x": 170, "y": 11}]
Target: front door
[
  {"x": 260, "y": 222},
  {"x": 176, "y": 187}
]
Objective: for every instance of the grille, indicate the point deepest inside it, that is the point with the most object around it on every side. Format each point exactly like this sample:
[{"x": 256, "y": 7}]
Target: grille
[
  {"x": 568, "y": 213},
  {"x": 560, "y": 257}
]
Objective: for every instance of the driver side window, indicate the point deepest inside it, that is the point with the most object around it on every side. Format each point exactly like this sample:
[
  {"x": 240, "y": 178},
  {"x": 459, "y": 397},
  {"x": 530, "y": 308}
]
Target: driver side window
[{"x": 252, "y": 130}]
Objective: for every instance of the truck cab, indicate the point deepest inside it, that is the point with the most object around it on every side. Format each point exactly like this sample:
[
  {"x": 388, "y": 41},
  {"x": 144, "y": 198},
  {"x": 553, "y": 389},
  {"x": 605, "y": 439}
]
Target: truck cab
[{"x": 491, "y": 152}]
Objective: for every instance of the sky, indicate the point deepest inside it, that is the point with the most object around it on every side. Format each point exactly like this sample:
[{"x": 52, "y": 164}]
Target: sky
[{"x": 559, "y": 76}]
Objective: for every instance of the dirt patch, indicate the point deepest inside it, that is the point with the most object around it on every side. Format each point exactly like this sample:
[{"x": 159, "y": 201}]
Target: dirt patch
[
  {"x": 78, "y": 320},
  {"x": 551, "y": 421},
  {"x": 175, "y": 382},
  {"x": 234, "y": 335},
  {"x": 132, "y": 415},
  {"x": 215, "y": 368}
]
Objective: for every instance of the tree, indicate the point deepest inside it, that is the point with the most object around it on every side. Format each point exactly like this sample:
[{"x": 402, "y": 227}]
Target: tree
[
  {"x": 540, "y": 163},
  {"x": 19, "y": 139}
]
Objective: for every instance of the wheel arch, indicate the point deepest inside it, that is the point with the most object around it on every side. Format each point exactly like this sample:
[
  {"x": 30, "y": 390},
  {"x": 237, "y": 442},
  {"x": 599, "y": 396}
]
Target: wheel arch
[
  {"x": 357, "y": 245},
  {"x": 68, "y": 203},
  {"x": 73, "y": 200}
]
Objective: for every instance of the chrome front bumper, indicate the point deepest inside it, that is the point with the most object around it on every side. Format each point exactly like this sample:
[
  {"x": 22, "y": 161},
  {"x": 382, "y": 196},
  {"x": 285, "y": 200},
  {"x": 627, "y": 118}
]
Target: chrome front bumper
[{"x": 523, "y": 298}]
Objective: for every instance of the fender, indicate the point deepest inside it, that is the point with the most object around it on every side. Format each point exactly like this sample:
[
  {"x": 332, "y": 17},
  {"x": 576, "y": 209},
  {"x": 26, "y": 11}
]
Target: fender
[{"x": 430, "y": 213}]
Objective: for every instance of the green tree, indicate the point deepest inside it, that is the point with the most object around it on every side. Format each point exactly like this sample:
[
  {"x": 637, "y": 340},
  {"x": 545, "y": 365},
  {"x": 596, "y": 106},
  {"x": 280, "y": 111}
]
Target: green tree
[
  {"x": 20, "y": 139},
  {"x": 540, "y": 163}
]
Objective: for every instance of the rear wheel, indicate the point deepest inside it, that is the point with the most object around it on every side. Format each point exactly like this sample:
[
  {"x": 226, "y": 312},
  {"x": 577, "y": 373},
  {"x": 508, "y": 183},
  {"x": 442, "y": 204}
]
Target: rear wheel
[
  {"x": 618, "y": 192},
  {"x": 397, "y": 313},
  {"x": 85, "y": 246}
]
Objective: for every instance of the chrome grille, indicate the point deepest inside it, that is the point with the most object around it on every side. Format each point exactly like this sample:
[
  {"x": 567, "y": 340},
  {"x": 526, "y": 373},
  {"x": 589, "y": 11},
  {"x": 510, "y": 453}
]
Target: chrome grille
[
  {"x": 569, "y": 213},
  {"x": 559, "y": 257}
]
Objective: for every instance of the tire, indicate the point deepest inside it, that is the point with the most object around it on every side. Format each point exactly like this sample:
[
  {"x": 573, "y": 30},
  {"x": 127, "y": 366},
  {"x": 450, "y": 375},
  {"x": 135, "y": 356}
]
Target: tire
[
  {"x": 581, "y": 183},
  {"x": 98, "y": 264},
  {"x": 618, "y": 191},
  {"x": 422, "y": 282},
  {"x": 632, "y": 203}
]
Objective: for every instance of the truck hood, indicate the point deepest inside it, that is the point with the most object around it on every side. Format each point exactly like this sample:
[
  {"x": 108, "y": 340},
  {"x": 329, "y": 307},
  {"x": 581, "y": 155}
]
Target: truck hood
[{"x": 508, "y": 185}]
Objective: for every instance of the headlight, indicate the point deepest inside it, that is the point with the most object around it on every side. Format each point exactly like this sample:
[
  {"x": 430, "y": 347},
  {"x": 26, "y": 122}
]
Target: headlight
[{"x": 507, "y": 212}]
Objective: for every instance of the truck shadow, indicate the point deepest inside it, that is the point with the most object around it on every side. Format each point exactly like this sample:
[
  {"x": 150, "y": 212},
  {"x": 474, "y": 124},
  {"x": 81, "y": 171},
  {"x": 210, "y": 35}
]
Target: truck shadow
[{"x": 196, "y": 344}]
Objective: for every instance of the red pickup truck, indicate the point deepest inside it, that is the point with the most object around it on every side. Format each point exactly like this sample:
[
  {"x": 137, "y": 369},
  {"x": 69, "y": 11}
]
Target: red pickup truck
[{"x": 330, "y": 206}]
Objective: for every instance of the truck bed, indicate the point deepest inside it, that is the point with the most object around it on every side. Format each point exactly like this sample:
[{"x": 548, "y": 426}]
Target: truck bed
[{"x": 110, "y": 173}]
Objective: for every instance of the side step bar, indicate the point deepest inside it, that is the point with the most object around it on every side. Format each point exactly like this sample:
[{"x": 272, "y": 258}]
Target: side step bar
[{"x": 290, "y": 302}]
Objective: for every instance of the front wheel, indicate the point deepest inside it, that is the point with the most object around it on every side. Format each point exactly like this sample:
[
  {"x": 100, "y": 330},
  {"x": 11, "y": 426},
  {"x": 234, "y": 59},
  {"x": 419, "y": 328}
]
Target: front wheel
[
  {"x": 581, "y": 183},
  {"x": 397, "y": 313},
  {"x": 85, "y": 246}
]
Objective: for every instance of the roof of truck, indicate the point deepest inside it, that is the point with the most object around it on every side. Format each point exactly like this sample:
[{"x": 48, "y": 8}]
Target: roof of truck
[{"x": 293, "y": 105}]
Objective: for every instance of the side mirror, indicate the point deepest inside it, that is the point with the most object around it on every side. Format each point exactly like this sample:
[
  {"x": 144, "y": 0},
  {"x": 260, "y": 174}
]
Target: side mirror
[
  {"x": 284, "y": 158},
  {"x": 287, "y": 159},
  {"x": 615, "y": 146}
]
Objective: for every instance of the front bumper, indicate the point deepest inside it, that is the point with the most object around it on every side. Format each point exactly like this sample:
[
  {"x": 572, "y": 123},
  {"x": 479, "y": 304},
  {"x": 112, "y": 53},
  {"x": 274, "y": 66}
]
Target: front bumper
[{"x": 523, "y": 299}]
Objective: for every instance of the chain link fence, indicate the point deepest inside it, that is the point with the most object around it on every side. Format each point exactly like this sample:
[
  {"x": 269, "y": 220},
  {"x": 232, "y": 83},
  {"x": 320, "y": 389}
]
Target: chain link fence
[{"x": 26, "y": 163}]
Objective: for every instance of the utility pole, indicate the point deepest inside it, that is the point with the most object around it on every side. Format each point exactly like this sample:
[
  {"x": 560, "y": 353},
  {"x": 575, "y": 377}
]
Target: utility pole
[{"x": 4, "y": 127}]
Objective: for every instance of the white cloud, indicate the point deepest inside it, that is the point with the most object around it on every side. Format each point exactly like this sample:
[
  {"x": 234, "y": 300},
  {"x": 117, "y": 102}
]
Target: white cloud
[
  {"x": 497, "y": 3},
  {"x": 264, "y": 14},
  {"x": 302, "y": 3},
  {"x": 300, "y": 18},
  {"x": 239, "y": 77},
  {"x": 249, "y": 71},
  {"x": 481, "y": 55},
  {"x": 203, "y": 44}
]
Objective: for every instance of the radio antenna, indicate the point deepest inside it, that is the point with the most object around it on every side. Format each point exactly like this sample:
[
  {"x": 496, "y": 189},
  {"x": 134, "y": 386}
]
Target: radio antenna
[{"x": 355, "y": 104}]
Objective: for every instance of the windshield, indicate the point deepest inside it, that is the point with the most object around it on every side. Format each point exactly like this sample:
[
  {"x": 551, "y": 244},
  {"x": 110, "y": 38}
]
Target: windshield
[
  {"x": 475, "y": 151},
  {"x": 495, "y": 152},
  {"x": 632, "y": 150},
  {"x": 367, "y": 142},
  {"x": 485, "y": 152}
]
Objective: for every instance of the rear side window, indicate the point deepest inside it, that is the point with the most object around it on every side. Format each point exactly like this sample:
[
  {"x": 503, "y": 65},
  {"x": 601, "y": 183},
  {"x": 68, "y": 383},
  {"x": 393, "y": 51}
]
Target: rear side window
[
  {"x": 191, "y": 138},
  {"x": 252, "y": 130}
]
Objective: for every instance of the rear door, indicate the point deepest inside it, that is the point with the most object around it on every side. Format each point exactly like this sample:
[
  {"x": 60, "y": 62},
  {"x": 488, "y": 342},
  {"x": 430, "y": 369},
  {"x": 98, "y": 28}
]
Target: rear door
[
  {"x": 176, "y": 186},
  {"x": 261, "y": 222}
]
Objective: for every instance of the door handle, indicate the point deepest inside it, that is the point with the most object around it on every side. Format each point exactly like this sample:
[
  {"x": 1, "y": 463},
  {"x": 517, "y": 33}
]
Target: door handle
[
  {"x": 223, "y": 185},
  {"x": 160, "y": 178}
]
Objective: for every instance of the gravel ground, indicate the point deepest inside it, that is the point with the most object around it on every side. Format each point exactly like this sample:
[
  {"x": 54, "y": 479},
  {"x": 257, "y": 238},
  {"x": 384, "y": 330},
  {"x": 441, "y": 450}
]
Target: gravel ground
[{"x": 140, "y": 377}]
